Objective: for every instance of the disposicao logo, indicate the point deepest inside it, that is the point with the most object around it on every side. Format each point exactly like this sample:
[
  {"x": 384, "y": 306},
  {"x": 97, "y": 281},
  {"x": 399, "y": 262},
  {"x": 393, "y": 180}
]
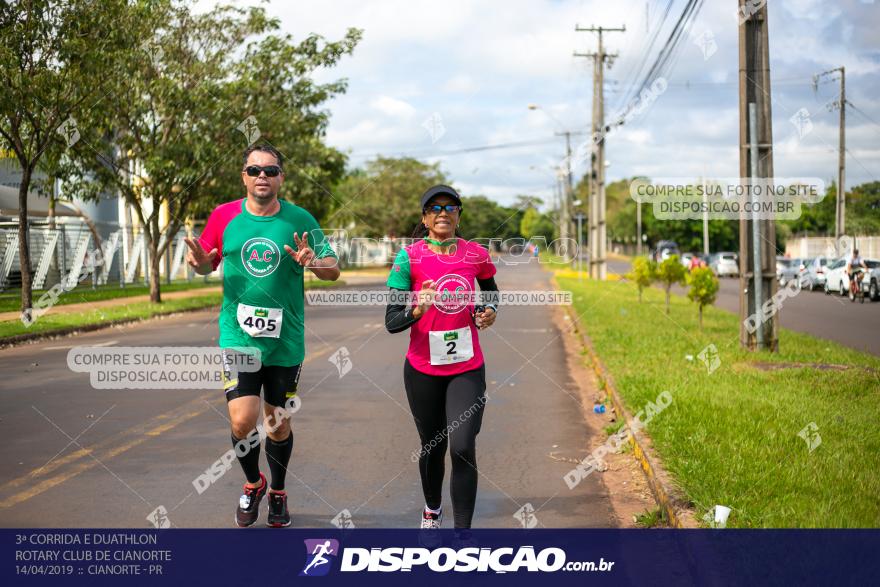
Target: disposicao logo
[{"x": 320, "y": 553}]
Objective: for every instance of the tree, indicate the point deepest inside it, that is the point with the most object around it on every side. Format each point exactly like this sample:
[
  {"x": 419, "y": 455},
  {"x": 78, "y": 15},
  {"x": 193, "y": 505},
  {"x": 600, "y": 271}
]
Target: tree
[
  {"x": 643, "y": 274},
  {"x": 670, "y": 272},
  {"x": 703, "y": 288},
  {"x": 863, "y": 209},
  {"x": 484, "y": 219},
  {"x": 815, "y": 219},
  {"x": 534, "y": 224},
  {"x": 193, "y": 100},
  {"x": 56, "y": 59},
  {"x": 688, "y": 234},
  {"x": 383, "y": 199}
]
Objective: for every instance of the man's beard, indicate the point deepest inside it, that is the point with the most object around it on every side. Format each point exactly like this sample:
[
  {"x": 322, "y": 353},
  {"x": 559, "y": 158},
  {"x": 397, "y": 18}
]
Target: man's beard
[{"x": 265, "y": 196}]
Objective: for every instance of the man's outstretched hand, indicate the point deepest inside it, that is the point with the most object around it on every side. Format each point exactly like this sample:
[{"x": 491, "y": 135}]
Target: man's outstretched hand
[
  {"x": 303, "y": 253},
  {"x": 198, "y": 258}
]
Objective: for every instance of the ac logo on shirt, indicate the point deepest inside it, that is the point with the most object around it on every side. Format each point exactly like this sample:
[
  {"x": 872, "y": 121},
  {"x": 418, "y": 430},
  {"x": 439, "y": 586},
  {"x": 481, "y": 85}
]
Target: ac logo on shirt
[
  {"x": 454, "y": 293},
  {"x": 260, "y": 256}
]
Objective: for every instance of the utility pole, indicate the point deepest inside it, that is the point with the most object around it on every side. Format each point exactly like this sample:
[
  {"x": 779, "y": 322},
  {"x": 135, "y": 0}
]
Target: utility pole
[
  {"x": 757, "y": 238},
  {"x": 598, "y": 238},
  {"x": 841, "y": 160},
  {"x": 705, "y": 217},
  {"x": 568, "y": 197},
  {"x": 840, "y": 206},
  {"x": 557, "y": 200},
  {"x": 639, "y": 227},
  {"x": 568, "y": 181}
]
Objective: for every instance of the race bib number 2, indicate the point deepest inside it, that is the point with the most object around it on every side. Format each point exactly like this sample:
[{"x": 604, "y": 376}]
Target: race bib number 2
[
  {"x": 260, "y": 322},
  {"x": 450, "y": 346}
]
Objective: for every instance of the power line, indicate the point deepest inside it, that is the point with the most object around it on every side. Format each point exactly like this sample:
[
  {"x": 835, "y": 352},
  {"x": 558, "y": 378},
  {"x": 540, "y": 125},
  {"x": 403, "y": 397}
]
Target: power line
[
  {"x": 511, "y": 145},
  {"x": 668, "y": 50},
  {"x": 862, "y": 112},
  {"x": 638, "y": 70}
]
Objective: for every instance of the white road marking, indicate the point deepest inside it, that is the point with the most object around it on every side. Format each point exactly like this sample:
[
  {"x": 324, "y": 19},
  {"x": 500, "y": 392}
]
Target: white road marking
[{"x": 70, "y": 346}]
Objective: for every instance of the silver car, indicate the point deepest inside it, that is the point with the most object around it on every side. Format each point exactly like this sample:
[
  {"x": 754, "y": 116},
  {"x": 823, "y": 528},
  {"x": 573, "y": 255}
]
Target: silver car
[
  {"x": 871, "y": 281},
  {"x": 791, "y": 270},
  {"x": 725, "y": 264},
  {"x": 814, "y": 273}
]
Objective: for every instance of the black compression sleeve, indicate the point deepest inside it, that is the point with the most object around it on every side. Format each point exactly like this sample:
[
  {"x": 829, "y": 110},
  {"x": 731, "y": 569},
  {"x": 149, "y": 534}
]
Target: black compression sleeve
[
  {"x": 398, "y": 316},
  {"x": 488, "y": 291}
]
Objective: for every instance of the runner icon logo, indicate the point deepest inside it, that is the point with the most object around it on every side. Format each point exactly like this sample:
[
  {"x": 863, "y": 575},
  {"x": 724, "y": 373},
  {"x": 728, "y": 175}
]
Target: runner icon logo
[
  {"x": 260, "y": 256},
  {"x": 320, "y": 553}
]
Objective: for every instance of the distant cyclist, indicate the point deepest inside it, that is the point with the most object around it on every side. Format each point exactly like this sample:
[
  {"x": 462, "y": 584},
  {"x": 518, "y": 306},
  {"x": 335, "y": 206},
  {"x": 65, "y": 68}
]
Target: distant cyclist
[
  {"x": 853, "y": 267},
  {"x": 443, "y": 373},
  {"x": 263, "y": 309}
]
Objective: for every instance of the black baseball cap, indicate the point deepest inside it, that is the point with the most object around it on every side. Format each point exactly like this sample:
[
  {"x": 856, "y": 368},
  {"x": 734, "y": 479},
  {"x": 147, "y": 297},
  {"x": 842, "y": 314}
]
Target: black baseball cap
[{"x": 439, "y": 190}]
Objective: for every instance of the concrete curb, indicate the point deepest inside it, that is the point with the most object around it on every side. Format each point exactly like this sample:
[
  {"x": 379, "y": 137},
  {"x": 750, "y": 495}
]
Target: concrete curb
[{"x": 669, "y": 497}]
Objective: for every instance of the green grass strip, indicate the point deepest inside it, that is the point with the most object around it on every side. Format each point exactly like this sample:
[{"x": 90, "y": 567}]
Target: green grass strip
[
  {"x": 11, "y": 301},
  {"x": 57, "y": 320},
  {"x": 732, "y": 437}
]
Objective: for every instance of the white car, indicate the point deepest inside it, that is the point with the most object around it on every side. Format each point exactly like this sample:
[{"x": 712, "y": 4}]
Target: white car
[
  {"x": 725, "y": 264},
  {"x": 813, "y": 275},
  {"x": 836, "y": 279},
  {"x": 872, "y": 280}
]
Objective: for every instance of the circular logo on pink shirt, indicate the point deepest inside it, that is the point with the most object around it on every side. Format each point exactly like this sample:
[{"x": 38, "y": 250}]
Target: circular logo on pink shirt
[{"x": 454, "y": 293}]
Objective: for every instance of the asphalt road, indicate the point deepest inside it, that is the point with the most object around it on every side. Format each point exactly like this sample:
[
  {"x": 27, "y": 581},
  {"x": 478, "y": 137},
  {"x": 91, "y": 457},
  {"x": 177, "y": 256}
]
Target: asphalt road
[
  {"x": 831, "y": 317},
  {"x": 77, "y": 456}
]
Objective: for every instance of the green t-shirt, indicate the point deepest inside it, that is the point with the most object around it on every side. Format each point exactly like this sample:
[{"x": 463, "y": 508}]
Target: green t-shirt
[{"x": 262, "y": 284}]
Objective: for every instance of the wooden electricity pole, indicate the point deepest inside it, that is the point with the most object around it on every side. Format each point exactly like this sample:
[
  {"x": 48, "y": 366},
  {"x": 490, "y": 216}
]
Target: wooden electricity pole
[
  {"x": 757, "y": 237},
  {"x": 597, "y": 208}
]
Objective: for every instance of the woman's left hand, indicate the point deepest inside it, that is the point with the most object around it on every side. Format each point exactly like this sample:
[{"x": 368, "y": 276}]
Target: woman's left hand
[{"x": 485, "y": 319}]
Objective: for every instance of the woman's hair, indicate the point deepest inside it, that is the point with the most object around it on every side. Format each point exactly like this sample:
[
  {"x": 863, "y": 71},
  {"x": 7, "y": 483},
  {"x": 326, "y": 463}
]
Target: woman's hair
[{"x": 420, "y": 231}]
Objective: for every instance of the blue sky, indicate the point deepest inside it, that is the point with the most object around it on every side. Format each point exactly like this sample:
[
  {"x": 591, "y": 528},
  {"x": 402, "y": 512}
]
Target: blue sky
[{"x": 479, "y": 64}]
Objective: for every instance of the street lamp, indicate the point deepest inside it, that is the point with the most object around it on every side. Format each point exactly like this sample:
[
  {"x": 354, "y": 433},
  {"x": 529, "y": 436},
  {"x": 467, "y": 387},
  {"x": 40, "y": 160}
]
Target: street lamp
[
  {"x": 568, "y": 195},
  {"x": 547, "y": 112}
]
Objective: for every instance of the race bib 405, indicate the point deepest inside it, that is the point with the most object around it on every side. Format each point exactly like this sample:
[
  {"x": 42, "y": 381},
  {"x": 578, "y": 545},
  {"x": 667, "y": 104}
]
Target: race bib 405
[{"x": 260, "y": 322}]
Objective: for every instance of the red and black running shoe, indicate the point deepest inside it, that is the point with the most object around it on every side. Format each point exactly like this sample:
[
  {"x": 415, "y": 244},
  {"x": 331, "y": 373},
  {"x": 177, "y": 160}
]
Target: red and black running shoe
[
  {"x": 249, "y": 504},
  {"x": 279, "y": 517}
]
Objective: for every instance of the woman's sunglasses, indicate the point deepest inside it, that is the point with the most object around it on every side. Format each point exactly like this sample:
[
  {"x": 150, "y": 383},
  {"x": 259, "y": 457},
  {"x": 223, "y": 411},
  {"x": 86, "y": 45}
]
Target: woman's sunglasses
[
  {"x": 269, "y": 170},
  {"x": 437, "y": 208}
]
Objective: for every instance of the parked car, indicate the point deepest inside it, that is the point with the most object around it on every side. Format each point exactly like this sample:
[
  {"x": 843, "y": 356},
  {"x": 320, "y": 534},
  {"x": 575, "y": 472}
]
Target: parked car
[
  {"x": 781, "y": 263},
  {"x": 686, "y": 259},
  {"x": 836, "y": 279},
  {"x": 871, "y": 281},
  {"x": 791, "y": 270},
  {"x": 666, "y": 249},
  {"x": 813, "y": 275},
  {"x": 725, "y": 264}
]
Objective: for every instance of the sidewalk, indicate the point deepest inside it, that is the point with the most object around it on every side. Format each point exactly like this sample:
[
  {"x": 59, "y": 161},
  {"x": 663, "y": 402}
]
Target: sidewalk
[
  {"x": 356, "y": 279},
  {"x": 86, "y": 306}
]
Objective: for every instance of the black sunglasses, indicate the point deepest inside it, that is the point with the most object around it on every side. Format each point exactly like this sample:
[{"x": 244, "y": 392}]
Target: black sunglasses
[
  {"x": 269, "y": 170},
  {"x": 437, "y": 208}
]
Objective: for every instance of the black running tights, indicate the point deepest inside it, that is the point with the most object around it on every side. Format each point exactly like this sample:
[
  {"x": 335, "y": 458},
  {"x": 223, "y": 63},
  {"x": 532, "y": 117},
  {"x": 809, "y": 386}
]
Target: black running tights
[{"x": 448, "y": 411}]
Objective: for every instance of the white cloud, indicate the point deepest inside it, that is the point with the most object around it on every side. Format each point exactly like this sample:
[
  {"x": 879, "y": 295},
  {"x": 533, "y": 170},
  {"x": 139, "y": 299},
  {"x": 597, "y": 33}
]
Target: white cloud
[
  {"x": 393, "y": 107},
  {"x": 460, "y": 84},
  {"x": 480, "y": 64}
]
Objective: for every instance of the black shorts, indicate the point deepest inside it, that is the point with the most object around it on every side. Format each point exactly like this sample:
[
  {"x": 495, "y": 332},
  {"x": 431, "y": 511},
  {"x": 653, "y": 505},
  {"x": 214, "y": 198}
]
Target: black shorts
[{"x": 278, "y": 383}]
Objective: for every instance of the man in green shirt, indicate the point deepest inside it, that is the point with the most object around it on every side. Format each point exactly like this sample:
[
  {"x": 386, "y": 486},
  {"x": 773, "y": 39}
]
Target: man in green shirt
[{"x": 266, "y": 244}]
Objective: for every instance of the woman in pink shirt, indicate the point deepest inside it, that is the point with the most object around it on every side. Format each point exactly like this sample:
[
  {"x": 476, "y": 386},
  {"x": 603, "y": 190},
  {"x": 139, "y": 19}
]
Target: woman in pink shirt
[{"x": 443, "y": 373}]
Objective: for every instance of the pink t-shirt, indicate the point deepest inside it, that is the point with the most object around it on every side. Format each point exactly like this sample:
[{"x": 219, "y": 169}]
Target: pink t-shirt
[{"x": 452, "y": 273}]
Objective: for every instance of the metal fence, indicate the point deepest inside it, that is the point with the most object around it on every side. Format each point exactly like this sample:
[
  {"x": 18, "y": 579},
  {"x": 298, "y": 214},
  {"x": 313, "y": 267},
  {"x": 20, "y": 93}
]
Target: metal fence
[{"x": 70, "y": 254}]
